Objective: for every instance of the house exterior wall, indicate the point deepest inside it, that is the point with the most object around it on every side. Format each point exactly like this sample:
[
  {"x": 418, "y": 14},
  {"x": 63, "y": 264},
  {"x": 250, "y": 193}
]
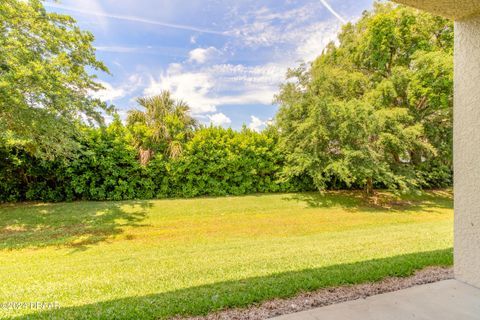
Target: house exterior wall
[
  {"x": 453, "y": 9},
  {"x": 467, "y": 150},
  {"x": 466, "y": 140}
]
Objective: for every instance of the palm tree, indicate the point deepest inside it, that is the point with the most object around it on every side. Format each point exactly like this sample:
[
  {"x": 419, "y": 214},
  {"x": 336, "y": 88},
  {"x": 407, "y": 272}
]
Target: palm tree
[{"x": 163, "y": 126}]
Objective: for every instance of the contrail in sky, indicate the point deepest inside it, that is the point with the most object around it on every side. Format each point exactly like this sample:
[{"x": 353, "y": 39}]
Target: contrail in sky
[
  {"x": 135, "y": 19},
  {"x": 329, "y": 8}
]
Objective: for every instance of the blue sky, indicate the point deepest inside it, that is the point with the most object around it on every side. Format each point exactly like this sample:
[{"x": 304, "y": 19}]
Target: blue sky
[{"x": 226, "y": 58}]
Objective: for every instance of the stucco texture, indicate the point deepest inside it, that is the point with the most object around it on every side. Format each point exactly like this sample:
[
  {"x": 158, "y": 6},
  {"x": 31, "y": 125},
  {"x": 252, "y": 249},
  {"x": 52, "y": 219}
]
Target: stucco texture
[
  {"x": 454, "y": 9},
  {"x": 467, "y": 150}
]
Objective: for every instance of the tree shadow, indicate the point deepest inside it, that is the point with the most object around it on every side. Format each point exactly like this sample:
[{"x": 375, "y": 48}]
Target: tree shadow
[
  {"x": 75, "y": 225},
  {"x": 204, "y": 299},
  {"x": 383, "y": 201}
]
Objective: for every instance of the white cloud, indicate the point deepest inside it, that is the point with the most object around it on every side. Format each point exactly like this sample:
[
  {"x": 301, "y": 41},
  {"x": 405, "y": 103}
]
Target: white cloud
[
  {"x": 192, "y": 87},
  {"x": 264, "y": 27},
  {"x": 222, "y": 84},
  {"x": 219, "y": 119},
  {"x": 109, "y": 93},
  {"x": 263, "y": 74},
  {"x": 201, "y": 55},
  {"x": 256, "y": 124},
  {"x": 318, "y": 36},
  {"x": 174, "y": 68},
  {"x": 119, "y": 49},
  {"x": 269, "y": 122},
  {"x": 297, "y": 31}
]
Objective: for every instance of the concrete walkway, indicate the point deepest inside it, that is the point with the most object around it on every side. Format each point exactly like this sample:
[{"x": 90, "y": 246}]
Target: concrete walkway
[{"x": 443, "y": 300}]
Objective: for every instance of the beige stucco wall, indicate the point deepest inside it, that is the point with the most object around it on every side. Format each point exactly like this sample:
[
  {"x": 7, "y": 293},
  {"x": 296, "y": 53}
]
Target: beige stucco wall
[
  {"x": 453, "y": 9},
  {"x": 467, "y": 150}
]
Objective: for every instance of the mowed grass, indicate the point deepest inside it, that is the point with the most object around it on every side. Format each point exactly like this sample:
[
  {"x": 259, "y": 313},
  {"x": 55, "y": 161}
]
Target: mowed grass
[{"x": 157, "y": 259}]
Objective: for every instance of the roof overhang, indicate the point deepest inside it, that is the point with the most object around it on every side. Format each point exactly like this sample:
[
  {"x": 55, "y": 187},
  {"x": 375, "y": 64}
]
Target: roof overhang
[{"x": 453, "y": 9}]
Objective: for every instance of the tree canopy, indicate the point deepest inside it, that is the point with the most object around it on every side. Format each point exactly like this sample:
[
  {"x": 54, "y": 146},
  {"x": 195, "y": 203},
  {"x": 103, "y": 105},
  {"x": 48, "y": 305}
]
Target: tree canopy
[
  {"x": 45, "y": 83},
  {"x": 376, "y": 108}
]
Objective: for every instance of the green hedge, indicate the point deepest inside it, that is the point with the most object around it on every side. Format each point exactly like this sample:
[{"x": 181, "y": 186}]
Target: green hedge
[{"x": 215, "y": 162}]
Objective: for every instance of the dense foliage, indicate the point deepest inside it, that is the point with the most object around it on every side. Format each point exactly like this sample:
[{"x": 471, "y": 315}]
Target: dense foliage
[
  {"x": 373, "y": 111},
  {"x": 376, "y": 109},
  {"x": 45, "y": 83},
  {"x": 216, "y": 161}
]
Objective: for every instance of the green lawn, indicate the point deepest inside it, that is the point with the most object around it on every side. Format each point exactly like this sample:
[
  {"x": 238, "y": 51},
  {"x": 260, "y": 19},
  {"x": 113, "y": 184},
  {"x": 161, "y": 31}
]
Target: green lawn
[{"x": 156, "y": 259}]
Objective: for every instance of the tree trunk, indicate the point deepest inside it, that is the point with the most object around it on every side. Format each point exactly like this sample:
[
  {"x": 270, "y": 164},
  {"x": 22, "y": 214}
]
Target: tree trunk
[
  {"x": 369, "y": 187},
  {"x": 415, "y": 157},
  {"x": 145, "y": 156}
]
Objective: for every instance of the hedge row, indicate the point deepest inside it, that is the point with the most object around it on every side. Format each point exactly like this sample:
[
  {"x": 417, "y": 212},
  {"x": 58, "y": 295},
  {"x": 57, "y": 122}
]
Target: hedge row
[{"x": 215, "y": 162}]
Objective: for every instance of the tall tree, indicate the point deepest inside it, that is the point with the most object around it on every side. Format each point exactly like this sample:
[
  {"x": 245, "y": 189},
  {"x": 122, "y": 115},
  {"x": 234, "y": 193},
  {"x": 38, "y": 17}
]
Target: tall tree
[
  {"x": 44, "y": 79},
  {"x": 376, "y": 108},
  {"x": 163, "y": 126}
]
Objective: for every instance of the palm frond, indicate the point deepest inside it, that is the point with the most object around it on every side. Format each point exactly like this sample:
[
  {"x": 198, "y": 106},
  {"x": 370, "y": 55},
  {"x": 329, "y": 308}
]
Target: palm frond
[
  {"x": 136, "y": 116},
  {"x": 175, "y": 149},
  {"x": 169, "y": 121}
]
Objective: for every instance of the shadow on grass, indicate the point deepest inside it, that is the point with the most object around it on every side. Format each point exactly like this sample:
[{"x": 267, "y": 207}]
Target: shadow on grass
[
  {"x": 75, "y": 225},
  {"x": 217, "y": 296},
  {"x": 355, "y": 200}
]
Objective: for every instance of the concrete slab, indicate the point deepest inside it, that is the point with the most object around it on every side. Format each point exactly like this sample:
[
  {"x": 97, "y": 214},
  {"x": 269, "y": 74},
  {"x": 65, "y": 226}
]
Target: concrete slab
[{"x": 443, "y": 300}]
